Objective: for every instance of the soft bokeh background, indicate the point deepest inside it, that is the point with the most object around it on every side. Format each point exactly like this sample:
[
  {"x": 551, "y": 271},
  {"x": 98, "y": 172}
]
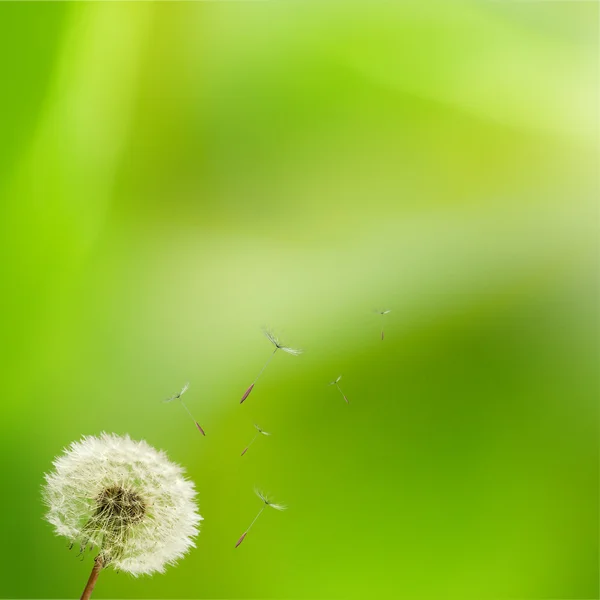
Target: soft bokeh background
[{"x": 175, "y": 176}]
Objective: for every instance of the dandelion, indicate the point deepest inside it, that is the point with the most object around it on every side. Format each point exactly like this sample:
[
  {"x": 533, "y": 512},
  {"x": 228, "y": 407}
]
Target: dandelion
[
  {"x": 177, "y": 396},
  {"x": 126, "y": 500},
  {"x": 278, "y": 346},
  {"x": 266, "y": 502},
  {"x": 337, "y": 385},
  {"x": 382, "y": 313},
  {"x": 259, "y": 431}
]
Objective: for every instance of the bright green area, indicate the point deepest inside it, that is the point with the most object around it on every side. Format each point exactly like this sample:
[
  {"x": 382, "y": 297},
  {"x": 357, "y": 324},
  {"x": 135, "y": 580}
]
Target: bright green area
[{"x": 175, "y": 176}]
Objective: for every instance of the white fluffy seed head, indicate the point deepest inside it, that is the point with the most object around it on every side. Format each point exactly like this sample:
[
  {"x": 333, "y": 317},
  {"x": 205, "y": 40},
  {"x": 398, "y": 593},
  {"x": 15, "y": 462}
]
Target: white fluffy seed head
[
  {"x": 261, "y": 430},
  {"x": 268, "y": 501},
  {"x": 125, "y": 498},
  {"x": 275, "y": 341}
]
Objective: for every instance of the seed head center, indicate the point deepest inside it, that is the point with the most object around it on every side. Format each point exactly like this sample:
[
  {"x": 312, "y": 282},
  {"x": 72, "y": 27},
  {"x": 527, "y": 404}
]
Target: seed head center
[{"x": 119, "y": 504}]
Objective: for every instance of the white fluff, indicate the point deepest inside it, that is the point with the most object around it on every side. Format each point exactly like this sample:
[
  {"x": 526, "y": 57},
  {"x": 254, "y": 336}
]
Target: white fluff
[{"x": 140, "y": 544}]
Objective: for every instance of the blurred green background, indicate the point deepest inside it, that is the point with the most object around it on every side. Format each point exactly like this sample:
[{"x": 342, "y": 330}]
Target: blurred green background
[{"x": 175, "y": 176}]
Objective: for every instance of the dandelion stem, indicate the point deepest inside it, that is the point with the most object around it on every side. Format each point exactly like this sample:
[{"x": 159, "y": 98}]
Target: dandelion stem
[
  {"x": 342, "y": 393},
  {"x": 256, "y": 517},
  {"x": 247, "y": 530},
  {"x": 247, "y": 392},
  {"x": 89, "y": 588},
  {"x": 187, "y": 410},
  {"x": 265, "y": 365},
  {"x": 250, "y": 444}
]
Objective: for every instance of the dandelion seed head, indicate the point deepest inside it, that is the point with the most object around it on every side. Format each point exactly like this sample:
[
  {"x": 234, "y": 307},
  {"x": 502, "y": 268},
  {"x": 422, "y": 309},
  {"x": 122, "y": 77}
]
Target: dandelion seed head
[
  {"x": 276, "y": 342},
  {"x": 261, "y": 430},
  {"x": 261, "y": 495},
  {"x": 292, "y": 351},
  {"x": 184, "y": 389},
  {"x": 271, "y": 337},
  {"x": 124, "y": 498},
  {"x": 268, "y": 501}
]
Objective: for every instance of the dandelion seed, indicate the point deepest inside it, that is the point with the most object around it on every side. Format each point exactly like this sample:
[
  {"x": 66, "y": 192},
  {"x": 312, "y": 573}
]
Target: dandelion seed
[
  {"x": 126, "y": 500},
  {"x": 337, "y": 385},
  {"x": 177, "y": 396},
  {"x": 278, "y": 346},
  {"x": 246, "y": 393},
  {"x": 382, "y": 313},
  {"x": 266, "y": 502},
  {"x": 259, "y": 431}
]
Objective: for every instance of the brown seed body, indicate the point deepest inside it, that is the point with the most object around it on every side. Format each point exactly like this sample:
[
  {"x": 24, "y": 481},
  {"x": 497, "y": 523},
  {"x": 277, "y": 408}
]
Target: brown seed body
[{"x": 247, "y": 393}]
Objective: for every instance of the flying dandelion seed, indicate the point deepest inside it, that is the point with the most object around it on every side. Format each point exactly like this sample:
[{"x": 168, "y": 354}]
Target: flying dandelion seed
[
  {"x": 266, "y": 502},
  {"x": 382, "y": 313},
  {"x": 177, "y": 396},
  {"x": 278, "y": 346},
  {"x": 336, "y": 382},
  {"x": 259, "y": 431},
  {"x": 126, "y": 500}
]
